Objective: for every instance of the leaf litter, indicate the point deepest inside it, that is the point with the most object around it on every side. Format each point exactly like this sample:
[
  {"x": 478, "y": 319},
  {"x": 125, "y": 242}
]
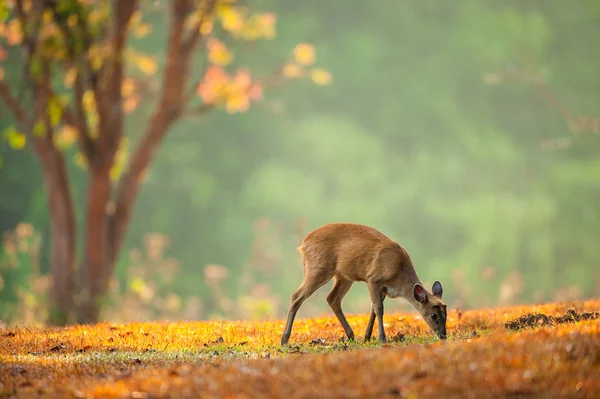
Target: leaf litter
[
  {"x": 483, "y": 357},
  {"x": 530, "y": 320}
]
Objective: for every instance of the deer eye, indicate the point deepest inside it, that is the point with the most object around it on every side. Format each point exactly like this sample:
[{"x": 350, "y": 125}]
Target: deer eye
[{"x": 434, "y": 316}]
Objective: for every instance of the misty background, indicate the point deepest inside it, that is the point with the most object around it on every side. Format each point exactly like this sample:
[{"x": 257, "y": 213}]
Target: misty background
[{"x": 420, "y": 135}]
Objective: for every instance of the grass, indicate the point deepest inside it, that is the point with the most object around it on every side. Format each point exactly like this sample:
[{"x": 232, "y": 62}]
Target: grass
[{"x": 536, "y": 356}]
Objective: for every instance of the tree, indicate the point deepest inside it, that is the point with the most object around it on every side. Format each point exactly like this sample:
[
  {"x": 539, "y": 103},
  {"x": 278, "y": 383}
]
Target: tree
[
  {"x": 578, "y": 124},
  {"x": 81, "y": 80}
]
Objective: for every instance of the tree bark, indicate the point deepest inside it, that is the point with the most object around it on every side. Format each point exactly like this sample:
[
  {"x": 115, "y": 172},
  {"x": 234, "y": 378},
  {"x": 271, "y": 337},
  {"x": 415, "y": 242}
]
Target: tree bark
[
  {"x": 98, "y": 260},
  {"x": 62, "y": 234},
  {"x": 60, "y": 204},
  {"x": 95, "y": 269}
]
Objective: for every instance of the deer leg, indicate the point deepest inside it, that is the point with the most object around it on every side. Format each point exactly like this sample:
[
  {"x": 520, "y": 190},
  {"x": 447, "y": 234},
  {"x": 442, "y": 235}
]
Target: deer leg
[
  {"x": 340, "y": 289},
  {"x": 369, "y": 330},
  {"x": 376, "y": 293},
  {"x": 308, "y": 287}
]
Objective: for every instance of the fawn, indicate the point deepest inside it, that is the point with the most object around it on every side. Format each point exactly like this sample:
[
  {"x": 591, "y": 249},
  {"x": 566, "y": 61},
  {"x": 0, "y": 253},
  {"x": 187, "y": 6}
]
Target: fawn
[{"x": 351, "y": 252}]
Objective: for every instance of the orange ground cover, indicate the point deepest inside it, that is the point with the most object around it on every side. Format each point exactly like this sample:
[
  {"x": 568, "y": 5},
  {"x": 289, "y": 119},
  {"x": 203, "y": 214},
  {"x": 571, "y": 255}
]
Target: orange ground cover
[{"x": 482, "y": 358}]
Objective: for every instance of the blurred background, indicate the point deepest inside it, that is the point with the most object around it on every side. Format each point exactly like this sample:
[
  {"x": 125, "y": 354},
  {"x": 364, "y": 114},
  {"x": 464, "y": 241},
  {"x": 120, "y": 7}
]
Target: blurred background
[{"x": 444, "y": 127}]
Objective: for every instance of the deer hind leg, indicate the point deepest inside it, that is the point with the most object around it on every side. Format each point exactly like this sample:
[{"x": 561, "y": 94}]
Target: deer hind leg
[
  {"x": 311, "y": 283},
  {"x": 341, "y": 287}
]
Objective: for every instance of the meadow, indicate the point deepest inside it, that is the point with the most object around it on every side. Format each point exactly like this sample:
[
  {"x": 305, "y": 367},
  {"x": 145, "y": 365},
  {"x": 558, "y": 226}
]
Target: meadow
[{"x": 547, "y": 350}]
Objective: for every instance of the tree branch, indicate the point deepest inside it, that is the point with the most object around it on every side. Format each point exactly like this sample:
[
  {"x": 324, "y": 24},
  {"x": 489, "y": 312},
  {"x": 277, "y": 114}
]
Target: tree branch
[
  {"x": 12, "y": 102},
  {"x": 199, "y": 110},
  {"x": 109, "y": 99},
  {"x": 194, "y": 37},
  {"x": 84, "y": 138},
  {"x": 29, "y": 42},
  {"x": 577, "y": 123},
  {"x": 168, "y": 109},
  {"x": 84, "y": 74},
  {"x": 123, "y": 13},
  {"x": 78, "y": 120},
  {"x": 70, "y": 35}
]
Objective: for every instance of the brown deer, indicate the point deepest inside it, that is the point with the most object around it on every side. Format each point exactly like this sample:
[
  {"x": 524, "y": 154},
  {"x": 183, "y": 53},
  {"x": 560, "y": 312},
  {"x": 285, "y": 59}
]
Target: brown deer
[{"x": 351, "y": 252}]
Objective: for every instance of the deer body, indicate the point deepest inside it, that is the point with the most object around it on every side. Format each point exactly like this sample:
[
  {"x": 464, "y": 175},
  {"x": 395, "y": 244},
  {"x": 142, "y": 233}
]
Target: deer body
[{"x": 350, "y": 252}]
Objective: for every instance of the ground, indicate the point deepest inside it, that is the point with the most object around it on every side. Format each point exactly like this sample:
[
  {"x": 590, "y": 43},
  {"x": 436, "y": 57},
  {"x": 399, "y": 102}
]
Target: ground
[{"x": 550, "y": 350}]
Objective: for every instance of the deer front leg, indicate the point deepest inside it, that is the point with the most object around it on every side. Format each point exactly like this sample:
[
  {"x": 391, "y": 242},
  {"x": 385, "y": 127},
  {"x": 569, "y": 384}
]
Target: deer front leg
[
  {"x": 376, "y": 293},
  {"x": 369, "y": 330}
]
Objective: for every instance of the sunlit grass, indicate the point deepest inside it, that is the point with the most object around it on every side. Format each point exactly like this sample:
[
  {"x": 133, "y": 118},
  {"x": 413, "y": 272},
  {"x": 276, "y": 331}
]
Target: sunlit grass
[{"x": 226, "y": 358}]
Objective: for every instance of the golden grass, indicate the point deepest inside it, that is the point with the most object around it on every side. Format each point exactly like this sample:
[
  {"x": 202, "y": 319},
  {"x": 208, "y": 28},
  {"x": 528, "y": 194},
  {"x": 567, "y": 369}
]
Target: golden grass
[{"x": 482, "y": 358}]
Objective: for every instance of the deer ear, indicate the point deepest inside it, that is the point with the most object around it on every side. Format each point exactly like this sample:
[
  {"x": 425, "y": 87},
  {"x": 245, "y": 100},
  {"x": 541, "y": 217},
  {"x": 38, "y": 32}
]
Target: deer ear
[
  {"x": 437, "y": 289},
  {"x": 419, "y": 293}
]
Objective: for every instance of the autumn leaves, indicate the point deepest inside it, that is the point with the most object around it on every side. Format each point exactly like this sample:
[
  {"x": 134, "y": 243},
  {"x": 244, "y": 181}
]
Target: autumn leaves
[
  {"x": 304, "y": 56},
  {"x": 235, "y": 90},
  {"x": 218, "y": 77},
  {"x": 231, "y": 92}
]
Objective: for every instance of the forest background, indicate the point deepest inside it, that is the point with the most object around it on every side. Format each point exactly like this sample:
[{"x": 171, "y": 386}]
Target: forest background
[{"x": 457, "y": 128}]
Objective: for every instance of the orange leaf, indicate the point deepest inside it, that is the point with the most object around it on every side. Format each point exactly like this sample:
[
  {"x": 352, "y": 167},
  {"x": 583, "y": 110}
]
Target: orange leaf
[
  {"x": 146, "y": 64},
  {"x": 267, "y": 25},
  {"x": 214, "y": 84},
  {"x": 242, "y": 78},
  {"x": 67, "y": 136},
  {"x": 214, "y": 72},
  {"x": 142, "y": 30},
  {"x": 206, "y": 27},
  {"x": 72, "y": 21},
  {"x": 14, "y": 33},
  {"x": 304, "y": 54},
  {"x": 69, "y": 78},
  {"x": 292, "y": 70},
  {"x": 218, "y": 53},
  {"x": 320, "y": 76},
  {"x": 131, "y": 103},
  {"x": 255, "y": 92},
  {"x": 80, "y": 160},
  {"x": 231, "y": 19},
  {"x": 127, "y": 87},
  {"x": 237, "y": 101}
]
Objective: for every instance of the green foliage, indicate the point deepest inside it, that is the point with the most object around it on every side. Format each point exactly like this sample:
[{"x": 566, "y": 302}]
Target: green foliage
[
  {"x": 4, "y": 11},
  {"x": 16, "y": 139},
  {"x": 39, "y": 129},
  {"x": 23, "y": 291},
  {"x": 55, "y": 109},
  {"x": 417, "y": 136}
]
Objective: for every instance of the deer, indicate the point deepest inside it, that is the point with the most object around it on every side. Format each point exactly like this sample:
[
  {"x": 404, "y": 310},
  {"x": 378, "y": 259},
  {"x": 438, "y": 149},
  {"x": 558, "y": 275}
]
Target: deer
[{"x": 349, "y": 253}]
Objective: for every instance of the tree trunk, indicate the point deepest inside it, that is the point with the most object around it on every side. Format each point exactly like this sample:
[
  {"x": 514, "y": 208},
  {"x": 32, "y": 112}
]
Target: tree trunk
[
  {"x": 60, "y": 204},
  {"x": 95, "y": 270},
  {"x": 104, "y": 233},
  {"x": 98, "y": 257},
  {"x": 62, "y": 234}
]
